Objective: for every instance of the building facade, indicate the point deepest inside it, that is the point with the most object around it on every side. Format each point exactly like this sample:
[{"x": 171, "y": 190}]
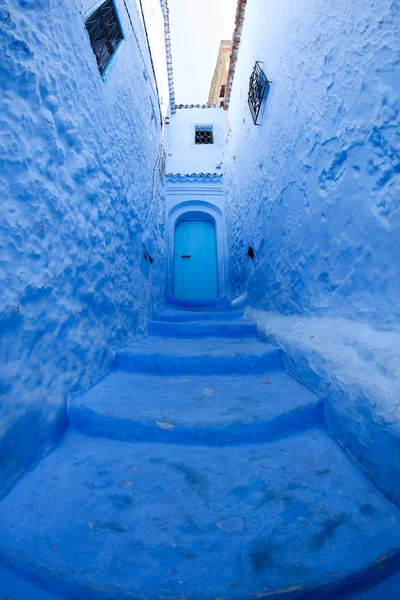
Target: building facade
[
  {"x": 218, "y": 84},
  {"x": 195, "y": 141}
]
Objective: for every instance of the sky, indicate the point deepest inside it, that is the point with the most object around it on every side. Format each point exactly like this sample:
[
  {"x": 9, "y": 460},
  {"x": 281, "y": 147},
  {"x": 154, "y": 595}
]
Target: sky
[{"x": 197, "y": 28}]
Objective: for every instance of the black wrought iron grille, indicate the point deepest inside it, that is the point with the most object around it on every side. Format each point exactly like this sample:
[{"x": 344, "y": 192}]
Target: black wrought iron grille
[
  {"x": 257, "y": 86},
  {"x": 104, "y": 33},
  {"x": 204, "y": 134}
]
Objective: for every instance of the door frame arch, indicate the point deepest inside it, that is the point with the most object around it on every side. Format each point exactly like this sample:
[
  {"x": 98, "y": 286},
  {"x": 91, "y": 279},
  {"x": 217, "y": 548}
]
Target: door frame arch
[{"x": 209, "y": 212}]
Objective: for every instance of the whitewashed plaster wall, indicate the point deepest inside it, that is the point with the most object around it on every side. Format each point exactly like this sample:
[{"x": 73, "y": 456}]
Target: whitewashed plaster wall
[
  {"x": 77, "y": 157},
  {"x": 191, "y": 190},
  {"x": 315, "y": 188},
  {"x": 196, "y": 197},
  {"x": 154, "y": 22},
  {"x": 186, "y": 157}
]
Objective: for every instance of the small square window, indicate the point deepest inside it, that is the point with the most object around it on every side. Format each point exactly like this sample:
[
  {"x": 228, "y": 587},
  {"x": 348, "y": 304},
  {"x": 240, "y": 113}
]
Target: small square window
[
  {"x": 104, "y": 33},
  {"x": 204, "y": 134}
]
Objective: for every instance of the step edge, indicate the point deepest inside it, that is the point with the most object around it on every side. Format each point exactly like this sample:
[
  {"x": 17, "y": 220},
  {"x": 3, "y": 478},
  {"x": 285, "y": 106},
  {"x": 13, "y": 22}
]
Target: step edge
[
  {"x": 210, "y": 323},
  {"x": 357, "y": 581},
  {"x": 230, "y": 434},
  {"x": 206, "y": 364},
  {"x": 264, "y": 348}
]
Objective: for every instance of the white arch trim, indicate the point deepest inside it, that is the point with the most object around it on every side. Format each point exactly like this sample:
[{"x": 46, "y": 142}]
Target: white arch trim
[{"x": 214, "y": 213}]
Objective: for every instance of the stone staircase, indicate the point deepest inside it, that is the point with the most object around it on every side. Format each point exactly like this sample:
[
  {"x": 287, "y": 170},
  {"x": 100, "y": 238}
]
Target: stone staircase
[{"x": 197, "y": 469}]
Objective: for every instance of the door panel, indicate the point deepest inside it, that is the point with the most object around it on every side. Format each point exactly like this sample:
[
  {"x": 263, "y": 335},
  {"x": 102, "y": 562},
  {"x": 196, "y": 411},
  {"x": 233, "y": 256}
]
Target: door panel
[{"x": 195, "y": 261}]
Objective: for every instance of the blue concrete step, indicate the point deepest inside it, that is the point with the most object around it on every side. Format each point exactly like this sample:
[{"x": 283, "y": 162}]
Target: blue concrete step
[
  {"x": 213, "y": 410},
  {"x": 198, "y": 356},
  {"x": 23, "y": 587},
  {"x": 293, "y": 518},
  {"x": 240, "y": 495},
  {"x": 202, "y": 329},
  {"x": 177, "y": 315},
  {"x": 221, "y": 303}
]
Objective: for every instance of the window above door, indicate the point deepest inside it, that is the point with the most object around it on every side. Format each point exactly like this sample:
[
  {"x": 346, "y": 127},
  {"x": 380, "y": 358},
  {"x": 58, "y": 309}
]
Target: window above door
[{"x": 203, "y": 134}]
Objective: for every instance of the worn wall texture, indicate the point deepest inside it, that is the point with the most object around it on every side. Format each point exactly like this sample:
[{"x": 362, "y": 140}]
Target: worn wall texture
[
  {"x": 315, "y": 189},
  {"x": 77, "y": 158}
]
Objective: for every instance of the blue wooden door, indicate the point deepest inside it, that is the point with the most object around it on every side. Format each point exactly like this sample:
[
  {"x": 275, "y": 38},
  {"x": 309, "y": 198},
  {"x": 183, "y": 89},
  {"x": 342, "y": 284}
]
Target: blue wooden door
[{"x": 195, "y": 261}]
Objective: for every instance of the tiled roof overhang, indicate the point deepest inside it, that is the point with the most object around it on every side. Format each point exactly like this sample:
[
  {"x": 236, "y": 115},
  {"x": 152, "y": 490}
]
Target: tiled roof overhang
[
  {"x": 177, "y": 106},
  {"x": 194, "y": 177},
  {"x": 167, "y": 36}
]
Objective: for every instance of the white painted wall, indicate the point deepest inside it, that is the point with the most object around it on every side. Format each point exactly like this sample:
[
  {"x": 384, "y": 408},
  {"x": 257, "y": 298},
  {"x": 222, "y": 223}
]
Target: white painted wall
[
  {"x": 154, "y": 21},
  {"x": 183, "y": 155},
  {"x": 195, "y": 194}
]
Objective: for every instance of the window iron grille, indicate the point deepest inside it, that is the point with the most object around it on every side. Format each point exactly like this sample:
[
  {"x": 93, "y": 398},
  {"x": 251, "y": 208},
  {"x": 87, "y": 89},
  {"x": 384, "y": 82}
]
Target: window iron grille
[
  {"x": 204, "y": 134},
  {"x": 104, "y": 33},
  {"x": 222, "y": 92},
  {"x": 257, "y": 86}
]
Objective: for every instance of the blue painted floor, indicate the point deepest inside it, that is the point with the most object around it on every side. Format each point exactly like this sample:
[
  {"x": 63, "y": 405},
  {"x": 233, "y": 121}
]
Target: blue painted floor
[{"x": 198, "y": 469}]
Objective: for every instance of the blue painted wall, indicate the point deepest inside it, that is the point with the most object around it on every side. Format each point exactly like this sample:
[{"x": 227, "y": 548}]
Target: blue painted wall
[
  {"x": 315, "y": 191},
  {"x": 77, "y": 156},
  {"x": 315, "y": 188}
]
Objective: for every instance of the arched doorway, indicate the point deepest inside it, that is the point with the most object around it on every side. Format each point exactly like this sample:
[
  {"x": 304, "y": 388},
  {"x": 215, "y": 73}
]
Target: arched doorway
[{"x": 195, "y": 258}]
